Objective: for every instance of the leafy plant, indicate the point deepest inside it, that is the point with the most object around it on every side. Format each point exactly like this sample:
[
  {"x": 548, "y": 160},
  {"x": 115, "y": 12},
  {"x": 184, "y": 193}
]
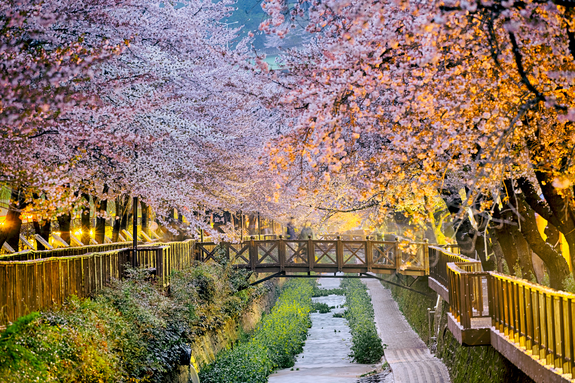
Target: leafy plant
[
  {"x": 321, "y": 307},
  {"x": 276, "y": 341},
  {"x": 133, "y": 330},
  {"x": 367, "y": 347}
]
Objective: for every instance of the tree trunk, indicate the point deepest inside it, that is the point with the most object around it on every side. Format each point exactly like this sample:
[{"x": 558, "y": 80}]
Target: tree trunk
[
  {"x": 43, "y": 229},
  {"x": 145, "y": 218},
  {"x": 125, "y": 217},
  {"x": 10, "y": 231},
  {"x": 85, "y": 220},
  {"x": 469, "y": 239},
  {"x": 555, "y": 209},
  {"x": 101, "y": 208},
  {"x": 554, "y": 260},
  {"x": 121, "y": 215},
  {"x": 64, "y": 223}
]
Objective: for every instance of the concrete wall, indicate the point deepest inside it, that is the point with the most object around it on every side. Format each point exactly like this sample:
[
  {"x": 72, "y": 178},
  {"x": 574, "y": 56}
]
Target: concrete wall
[
  {"x": 478, "y": 364},
  {"x": 206, "y": 347}
]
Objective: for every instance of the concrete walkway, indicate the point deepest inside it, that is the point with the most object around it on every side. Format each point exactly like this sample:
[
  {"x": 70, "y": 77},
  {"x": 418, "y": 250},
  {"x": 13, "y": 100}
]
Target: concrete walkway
[{"x": 408, "y": 356}]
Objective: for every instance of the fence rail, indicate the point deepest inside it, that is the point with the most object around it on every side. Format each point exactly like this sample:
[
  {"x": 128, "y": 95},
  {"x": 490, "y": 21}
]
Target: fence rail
[
  {"x": 535, "y": 322},
  {"x": 41, "y": 283}
]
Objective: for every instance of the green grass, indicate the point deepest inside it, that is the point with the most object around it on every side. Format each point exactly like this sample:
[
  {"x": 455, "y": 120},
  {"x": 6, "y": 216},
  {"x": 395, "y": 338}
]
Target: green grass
[
  {"x": 367, "y": 347},
  {"x": 277, "y": 339}
]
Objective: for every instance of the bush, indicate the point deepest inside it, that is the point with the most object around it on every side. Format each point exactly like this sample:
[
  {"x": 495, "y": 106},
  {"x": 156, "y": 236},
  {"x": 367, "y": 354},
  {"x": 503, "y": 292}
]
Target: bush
[
  {"x": 277, "y": 339},
  {"x": 367, "y": 347},
  {"x": 317, "y": 292},
  {"x": 321, "y": 307},
  {"x": 131, "y": 331}
]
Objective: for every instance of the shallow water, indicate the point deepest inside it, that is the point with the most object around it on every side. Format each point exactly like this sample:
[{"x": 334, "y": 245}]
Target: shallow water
[{"x": 325, "y": 358}]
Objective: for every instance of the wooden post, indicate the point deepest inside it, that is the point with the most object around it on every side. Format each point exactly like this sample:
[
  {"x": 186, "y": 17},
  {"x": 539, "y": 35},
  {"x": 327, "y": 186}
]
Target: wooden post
[
  {"x": 426, "y": 256},
  {"x": 259, "y": 228},
  {"x": 339, "y": 253},
  {"x": 310, "y": 254},
  {"x": 135, "y": 230},
  {"x": 241, "y": 227},
  {"x": 397, "y": 253},
  {"x": 253, "y": 253},
  {"x": 368, "y": 253},
  {"x": 282, "y": 252}
]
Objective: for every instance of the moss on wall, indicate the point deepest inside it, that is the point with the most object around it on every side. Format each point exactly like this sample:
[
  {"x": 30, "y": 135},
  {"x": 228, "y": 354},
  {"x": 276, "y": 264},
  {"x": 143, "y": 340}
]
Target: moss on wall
[
  {"x": 205, "y": 348},
  {"x": 478, "y": 364}
]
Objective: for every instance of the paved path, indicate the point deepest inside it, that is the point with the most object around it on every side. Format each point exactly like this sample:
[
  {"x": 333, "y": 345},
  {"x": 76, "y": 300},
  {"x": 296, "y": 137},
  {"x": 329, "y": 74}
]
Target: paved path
[{"x": 408, "y": 356}]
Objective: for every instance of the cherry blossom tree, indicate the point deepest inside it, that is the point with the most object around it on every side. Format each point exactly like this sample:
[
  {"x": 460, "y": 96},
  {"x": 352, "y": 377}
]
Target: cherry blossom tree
[{"x": 438, "y": 97}]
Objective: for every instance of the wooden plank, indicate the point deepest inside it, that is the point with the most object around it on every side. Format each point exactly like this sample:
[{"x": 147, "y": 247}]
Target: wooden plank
[
  {"x": 536, "y": 324},
  {"x": 26, "y": 243},
  {"x": 8, "y": 248},
  {"x": 46, "y": 244},
  {"x": 11, "y": 282},
  {"x": 146, "y": 237},
  {"x": 74, "y": 241},
  {"x": 127, "y": 235},
  {"x": 59, "y": 240},
  {"x": 529, "y": 330}
]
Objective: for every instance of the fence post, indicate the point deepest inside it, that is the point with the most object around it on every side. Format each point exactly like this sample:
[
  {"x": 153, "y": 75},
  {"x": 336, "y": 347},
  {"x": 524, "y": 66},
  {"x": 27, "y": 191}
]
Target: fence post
[
  {"x": 310, "y": 254},
  {"x": 368, "y": 253},
  {"x": 281, "y": 252},
  {"x": 253, "y": 254},
  {"x": 397, "y": 253},
  {"x": 339, "y": 253},
  {"x": 426, "y": 255}
]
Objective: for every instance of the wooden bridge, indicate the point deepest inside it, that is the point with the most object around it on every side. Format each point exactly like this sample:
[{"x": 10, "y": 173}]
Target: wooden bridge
[
  {"x": 323, "y": 256},
  {"x": 531, "y": 325}
]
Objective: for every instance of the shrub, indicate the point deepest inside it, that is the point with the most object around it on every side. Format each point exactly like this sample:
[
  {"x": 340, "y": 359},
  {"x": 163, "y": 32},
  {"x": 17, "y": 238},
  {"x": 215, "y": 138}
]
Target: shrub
[
  {"x": 317, "y": 292},
  {"x": 132, "y": 330},
  {"x": 277, "y": 339},
  {"x": 367, "y": 347},
  {"x": 321, "y": 307}
]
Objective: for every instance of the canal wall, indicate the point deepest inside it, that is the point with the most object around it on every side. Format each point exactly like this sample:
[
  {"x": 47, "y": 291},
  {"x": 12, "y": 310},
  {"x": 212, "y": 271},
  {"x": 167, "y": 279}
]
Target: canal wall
[
  {"x": 477, "y": 364},
  {"x": 206, "y": 347}
]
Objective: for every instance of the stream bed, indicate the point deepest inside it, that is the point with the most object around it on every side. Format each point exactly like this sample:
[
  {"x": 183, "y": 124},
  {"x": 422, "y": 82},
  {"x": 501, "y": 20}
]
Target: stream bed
[{"x": 325, "y": 357}]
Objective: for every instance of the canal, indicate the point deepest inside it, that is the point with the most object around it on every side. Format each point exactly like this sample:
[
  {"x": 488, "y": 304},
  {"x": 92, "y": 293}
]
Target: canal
[{"x": 325, "y": 357}]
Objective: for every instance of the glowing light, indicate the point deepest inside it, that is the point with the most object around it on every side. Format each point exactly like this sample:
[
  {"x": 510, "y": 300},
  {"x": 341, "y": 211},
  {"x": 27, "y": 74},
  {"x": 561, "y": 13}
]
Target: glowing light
[
  {"x": 92, "y": 233},
  {"x": 78, "y": 232}
]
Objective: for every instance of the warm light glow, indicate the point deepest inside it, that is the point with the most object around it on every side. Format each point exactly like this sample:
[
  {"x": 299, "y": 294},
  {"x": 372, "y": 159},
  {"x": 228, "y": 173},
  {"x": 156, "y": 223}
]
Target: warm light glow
[
  {"x": 78, "y": 232},
  {"x": 57, "y": 233},
  {"x": 92, "y": 233}
]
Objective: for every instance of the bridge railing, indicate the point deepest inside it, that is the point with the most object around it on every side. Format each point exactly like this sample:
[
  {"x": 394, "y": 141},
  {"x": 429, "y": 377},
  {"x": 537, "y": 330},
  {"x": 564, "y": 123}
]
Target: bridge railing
[
  {"x": 535, "y": 318},
  {"x": 322, "y": 255},
  {"x": 439, "y": 257},
  {"x": 468, "y": 292},
  {"x": 537, "y": 322}
]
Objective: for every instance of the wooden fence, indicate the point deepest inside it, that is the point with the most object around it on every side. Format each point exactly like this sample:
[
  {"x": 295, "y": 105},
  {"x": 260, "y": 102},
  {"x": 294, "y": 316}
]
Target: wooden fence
[
  {"x": 41, "y": 283},
  {"x": 29, "y": 255},
  {"x": 535, "y": 318},
  {"x": 530, "y": 324}
]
